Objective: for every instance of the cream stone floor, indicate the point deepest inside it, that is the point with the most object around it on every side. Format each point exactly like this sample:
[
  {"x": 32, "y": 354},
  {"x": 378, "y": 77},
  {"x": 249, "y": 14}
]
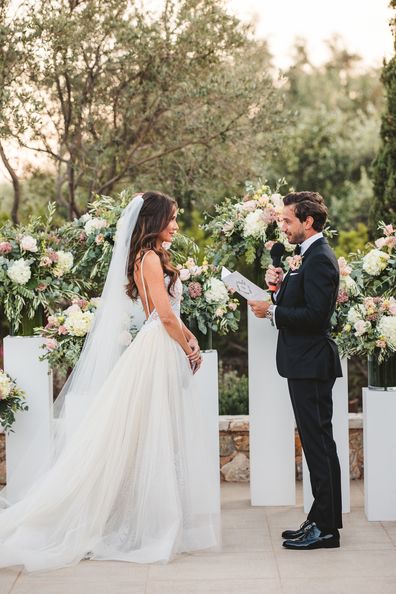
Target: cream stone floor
[{"x": 252, "y": 560}]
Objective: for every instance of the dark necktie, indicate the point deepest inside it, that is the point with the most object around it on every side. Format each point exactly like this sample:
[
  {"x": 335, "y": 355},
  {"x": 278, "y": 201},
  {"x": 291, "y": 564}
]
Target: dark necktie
[{"x": 297, "y": 250}]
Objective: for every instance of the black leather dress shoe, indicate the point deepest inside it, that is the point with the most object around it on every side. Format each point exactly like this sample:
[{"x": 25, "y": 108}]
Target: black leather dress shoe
[
  {"x": 313, "y": 538},
  {"x": 292, "y": 534}
]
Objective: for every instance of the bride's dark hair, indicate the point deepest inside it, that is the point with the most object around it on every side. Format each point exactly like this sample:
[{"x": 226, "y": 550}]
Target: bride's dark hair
[{"x": 155, "y": 215}]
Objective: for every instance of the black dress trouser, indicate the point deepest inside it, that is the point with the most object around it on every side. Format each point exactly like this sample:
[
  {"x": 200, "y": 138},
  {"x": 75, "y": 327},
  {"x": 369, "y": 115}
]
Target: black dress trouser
[{"x": 313, "y": 409}]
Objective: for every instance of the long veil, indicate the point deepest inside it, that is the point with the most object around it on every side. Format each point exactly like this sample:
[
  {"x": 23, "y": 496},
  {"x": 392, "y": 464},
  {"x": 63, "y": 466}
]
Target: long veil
[{"x": 103, "y": 346}]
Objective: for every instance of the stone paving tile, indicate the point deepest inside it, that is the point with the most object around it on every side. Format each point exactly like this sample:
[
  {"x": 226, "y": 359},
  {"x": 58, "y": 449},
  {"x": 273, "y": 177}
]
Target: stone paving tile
[
  {"x": 259, "y": 586},
  {"x": 217, "y": 566},
  {"x": 7, "y": 579},
  {"x": 337, "y": 585},
  {"x": 336, "y": 562}
]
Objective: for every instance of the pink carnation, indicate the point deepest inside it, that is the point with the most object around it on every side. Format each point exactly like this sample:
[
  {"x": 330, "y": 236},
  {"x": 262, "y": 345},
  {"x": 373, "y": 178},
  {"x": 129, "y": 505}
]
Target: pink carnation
[
  {"x": 342, "y": 296},
  {"x": 5, "y": 247},
  {"x": 194, "y": 290}
]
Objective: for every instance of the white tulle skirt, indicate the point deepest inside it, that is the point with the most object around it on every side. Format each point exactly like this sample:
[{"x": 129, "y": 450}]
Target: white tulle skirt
[{"x": 133, "y": 484}]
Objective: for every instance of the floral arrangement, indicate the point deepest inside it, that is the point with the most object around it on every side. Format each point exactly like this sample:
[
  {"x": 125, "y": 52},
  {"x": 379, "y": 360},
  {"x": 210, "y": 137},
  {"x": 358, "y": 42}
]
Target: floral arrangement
[
  {"x": 91, "y": 237},
  {"x": 65, "y": 332},
  {"x": 207, "y": 303},
  {"x": 248, "y": 227},
  {"x": 376, "y": 270},
  {"x": 12, "y": 399},
  {"x": 370, "y": 328},
  {"x": 35, "y": 271}
]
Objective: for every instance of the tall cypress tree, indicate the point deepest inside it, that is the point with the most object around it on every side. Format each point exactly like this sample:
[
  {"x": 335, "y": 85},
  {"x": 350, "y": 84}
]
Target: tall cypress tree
[{"x": 384, "y": 167}]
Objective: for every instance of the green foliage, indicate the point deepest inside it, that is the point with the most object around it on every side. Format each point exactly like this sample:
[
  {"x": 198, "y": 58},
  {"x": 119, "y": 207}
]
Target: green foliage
[
  {"x": 384, "y": 173},
  {"x": 333, "y": 137},
  {"x": 233, "y": 392},
  {"x": 351, "y": 241}
]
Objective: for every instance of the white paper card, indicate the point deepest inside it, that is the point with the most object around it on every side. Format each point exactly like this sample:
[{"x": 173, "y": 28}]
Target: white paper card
[{"x": 243, "y": 286}]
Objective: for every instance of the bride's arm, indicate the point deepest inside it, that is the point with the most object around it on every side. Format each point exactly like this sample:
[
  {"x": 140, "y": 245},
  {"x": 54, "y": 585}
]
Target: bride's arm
[{"x": 154, "y": 278}]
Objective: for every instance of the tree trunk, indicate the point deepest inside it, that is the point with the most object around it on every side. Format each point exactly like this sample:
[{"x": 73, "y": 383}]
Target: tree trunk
[
  {"x": 73, "y": 210},
  {"x": 16, "y": 186}
]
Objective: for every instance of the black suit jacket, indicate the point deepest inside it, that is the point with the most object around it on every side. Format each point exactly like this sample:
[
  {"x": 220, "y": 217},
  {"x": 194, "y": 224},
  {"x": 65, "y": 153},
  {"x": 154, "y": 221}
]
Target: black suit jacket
[{"x": 305, "y": 304}]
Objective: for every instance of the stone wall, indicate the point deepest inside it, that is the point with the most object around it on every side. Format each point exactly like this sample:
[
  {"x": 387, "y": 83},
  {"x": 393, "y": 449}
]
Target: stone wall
[{"x": 234, "y": 449}]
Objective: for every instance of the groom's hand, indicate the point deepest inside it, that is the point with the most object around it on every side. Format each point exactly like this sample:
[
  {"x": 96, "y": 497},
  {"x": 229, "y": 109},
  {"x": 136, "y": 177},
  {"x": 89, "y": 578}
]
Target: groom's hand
[
  {"x": 259, "y": 308},
  {"x": 274, "y": 277}
]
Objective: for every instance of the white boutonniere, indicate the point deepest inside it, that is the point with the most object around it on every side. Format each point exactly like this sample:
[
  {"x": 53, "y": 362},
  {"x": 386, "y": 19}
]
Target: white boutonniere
[{"x": 294, "y": 262}]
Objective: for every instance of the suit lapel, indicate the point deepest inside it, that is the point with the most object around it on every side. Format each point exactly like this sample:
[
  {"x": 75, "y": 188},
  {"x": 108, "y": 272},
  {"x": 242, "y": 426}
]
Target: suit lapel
[{"x": 320, "y": 241}]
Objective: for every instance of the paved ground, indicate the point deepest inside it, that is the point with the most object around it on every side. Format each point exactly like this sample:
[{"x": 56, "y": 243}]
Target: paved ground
[{"x": 252, "y": 561}]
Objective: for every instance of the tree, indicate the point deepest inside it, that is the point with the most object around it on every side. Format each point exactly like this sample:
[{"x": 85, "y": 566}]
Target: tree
[
  {"x": 334, "y": 134},
  {"x": 384, "y": 169},
  {"x": 121, "y": 96},
  {"x": 11, "y": 68}
]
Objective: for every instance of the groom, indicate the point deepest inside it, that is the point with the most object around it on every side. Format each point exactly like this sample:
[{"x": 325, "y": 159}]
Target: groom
[{"x": 303, "y": 303}]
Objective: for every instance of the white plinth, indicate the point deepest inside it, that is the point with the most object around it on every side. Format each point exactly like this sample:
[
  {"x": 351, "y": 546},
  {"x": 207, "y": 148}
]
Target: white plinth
[
  {"x": 32, "y": 429},
  {"x": 205, "y": 392},
  {"x": 379, "y": 439},
  {"x": 341, "y": 437},
  {"x": 272, "y": 447}
]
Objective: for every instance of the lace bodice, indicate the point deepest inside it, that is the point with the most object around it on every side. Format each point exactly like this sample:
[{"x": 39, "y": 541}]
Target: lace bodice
[{"x": 174, "y": 297}]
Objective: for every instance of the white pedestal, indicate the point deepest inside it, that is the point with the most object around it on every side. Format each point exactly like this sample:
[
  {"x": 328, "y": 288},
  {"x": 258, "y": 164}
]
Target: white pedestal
[
  {"x": 205, "y": 392},
  {"x": 379, "y": 439},
  {"x": 32, "y": 428},
  {"x": 341, "y": 437},
  {"x": 272, "y": 447}
]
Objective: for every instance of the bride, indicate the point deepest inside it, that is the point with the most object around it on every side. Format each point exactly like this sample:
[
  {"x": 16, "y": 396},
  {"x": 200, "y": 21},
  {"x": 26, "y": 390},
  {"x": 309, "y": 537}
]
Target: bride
[{"x": 128, "y": 477}]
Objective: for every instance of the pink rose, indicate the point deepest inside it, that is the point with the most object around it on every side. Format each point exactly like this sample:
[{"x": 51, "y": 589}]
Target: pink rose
[
  {"x": 342, "y": 296},
  {"x": 62, "y": 330},
  {"x": 5, "y": 247},
  {"x": 268, "y": 244},
  {"x": 41, "y": 287},
  {"x": 52, "y": 254},
  {"x": 379, "y": 243},
  {"x": 184, "y": 274},
  {"x": 249, "y": 205},
  {"x": 99, "y": 239},
  {"x": 51, "y": 343},
  {"x": 82, "y": 237},
  {"x": 388, "y": 230},
  {"x": 232, "y": 306}
]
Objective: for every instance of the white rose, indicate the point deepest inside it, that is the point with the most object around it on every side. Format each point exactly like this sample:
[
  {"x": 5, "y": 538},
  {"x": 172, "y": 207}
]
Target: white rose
[
  {"x": 92, "y": 225},
  {"x": 28, "y": 243},
  {"x": 228, "y": 227},
  {"x": 184, "y": 274},
  {"x": 375, "y": 262},
  {"x": 5, "y": 385},
  {"x": 255, "y": 225},
  {"x": 78, "y": 323},
  {"x": 216, "y": 291},
  {"x": 361, "y": 327},
  {"x": 72, "y": 308},
  {"x": 86, "y": 217},
  {"x": 348, "y": 284},
  {"x": 387, "y": 329},
  {"x": 19, "y": 272},
  {"x": 64, "y": 263}
]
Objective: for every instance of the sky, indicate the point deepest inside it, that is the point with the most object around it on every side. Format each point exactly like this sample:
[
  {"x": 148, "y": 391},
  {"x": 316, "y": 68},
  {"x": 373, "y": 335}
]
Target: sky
[{"x": 363, "y": 24}]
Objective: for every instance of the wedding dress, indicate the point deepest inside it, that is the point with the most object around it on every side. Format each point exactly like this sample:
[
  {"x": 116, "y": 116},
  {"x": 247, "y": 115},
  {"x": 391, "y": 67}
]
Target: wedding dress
[{"x": 133, "y": 483}]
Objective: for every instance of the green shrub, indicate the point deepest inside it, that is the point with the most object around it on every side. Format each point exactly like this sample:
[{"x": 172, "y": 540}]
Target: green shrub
[{"x": 233, "y": 393}]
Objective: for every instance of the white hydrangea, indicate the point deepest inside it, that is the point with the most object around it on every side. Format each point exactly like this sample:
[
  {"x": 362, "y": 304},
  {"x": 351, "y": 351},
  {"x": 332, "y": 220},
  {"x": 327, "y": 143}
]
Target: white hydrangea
[
  {"x": 255, "y": 224},
  {"x": 28, "y": 243},
  {"x": 19, "y": 271},
  {"x": 375, "y": 262},
  {"x": 5, "y": 385},
  {"x": 64, "y": 263},
  {"x": 92, "y": 225},
  {"x": 78, "y": 323},
  {"x": 216, "y": 291},
  {"x": 387, "y": 329}
]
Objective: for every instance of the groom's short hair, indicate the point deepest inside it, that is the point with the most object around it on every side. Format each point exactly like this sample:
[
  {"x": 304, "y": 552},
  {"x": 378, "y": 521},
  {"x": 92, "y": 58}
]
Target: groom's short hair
[{"x": 308, "y": 204}]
